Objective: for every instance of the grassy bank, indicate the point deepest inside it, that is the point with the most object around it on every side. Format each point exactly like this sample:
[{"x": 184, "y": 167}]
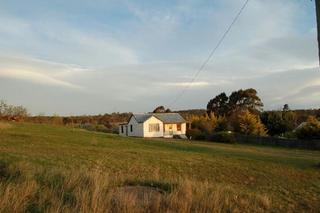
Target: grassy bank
[{"x": 57, "y": 168}]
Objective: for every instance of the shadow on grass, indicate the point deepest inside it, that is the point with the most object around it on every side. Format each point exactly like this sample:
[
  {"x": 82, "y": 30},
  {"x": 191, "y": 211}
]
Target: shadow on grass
[
  {"x": 162, "y": 187},
  {"x": 9, "y": 173}
]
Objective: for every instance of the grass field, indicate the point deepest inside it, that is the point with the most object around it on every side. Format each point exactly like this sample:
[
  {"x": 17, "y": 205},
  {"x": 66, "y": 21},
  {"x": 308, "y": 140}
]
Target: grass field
[{"x": 52, "y": 169}]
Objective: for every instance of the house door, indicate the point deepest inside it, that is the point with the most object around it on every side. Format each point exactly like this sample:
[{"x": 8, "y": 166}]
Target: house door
[{"x": 126, "y": 130}]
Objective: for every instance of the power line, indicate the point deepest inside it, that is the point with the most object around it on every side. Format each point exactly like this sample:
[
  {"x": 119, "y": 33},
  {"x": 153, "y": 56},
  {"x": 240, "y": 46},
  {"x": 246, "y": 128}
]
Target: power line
[{"x": 210, "y": 55}]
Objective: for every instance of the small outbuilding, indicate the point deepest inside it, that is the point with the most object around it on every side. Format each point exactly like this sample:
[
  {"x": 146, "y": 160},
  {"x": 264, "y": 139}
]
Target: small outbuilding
[{"x": 154, "y": 125}]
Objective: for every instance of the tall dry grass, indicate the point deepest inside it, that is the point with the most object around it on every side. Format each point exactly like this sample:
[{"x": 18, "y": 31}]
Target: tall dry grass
[
  {"x": 4, "y": 125},
  {"x": 97, "y": 191}
]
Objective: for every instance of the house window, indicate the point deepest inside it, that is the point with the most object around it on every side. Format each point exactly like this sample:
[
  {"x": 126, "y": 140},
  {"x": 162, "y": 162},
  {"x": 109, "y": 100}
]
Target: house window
[
  {"x": 131, "y": 128},
  {"x": 178, "y": 127},
  {"x": 154, "y": 127},
  {"x": 121, "y": 129}
]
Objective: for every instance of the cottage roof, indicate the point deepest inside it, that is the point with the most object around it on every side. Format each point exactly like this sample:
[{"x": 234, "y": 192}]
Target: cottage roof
[
  {"x": 140, "y": 118},
  {"x": 164, "y": 117},
  {"x": 169, "y": 117}
]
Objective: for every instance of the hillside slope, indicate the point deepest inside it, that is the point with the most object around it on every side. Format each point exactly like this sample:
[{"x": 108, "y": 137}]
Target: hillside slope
[{"x": 248, "y": 178}]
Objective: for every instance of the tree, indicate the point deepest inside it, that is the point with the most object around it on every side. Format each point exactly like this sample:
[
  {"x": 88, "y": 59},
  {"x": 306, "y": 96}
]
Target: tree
[
  {"x": 206, "y": 124},
  {"x": 286, "y": 108},
  {"x": 273, "y": 122},
  {"x": 161, "y": 109},
  {"x": 250, "y": 124},
  {"x": 279, "y": 122},
  {"x": 238, "y": 101},
  {"x": 221, "y": 124},
  {"x": 310, "y": 130},
  {"x": 12, "y": 112},
  {"x": 245, "y": 100},
  {"x": 289, "y": 120},
  {"x": 219, "y": 105}
]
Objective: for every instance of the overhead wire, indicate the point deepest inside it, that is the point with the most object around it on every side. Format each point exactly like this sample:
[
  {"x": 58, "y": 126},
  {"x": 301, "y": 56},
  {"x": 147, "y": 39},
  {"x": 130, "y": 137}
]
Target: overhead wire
[{"x": 206, "y": 61}]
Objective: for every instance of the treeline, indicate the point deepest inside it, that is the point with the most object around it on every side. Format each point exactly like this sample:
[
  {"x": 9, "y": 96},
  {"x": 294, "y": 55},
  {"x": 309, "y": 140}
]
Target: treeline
[
  {"x": 11, "y": 112},
  {"x": 103, "y": 123},
  {"x": 242, "y": 113}
]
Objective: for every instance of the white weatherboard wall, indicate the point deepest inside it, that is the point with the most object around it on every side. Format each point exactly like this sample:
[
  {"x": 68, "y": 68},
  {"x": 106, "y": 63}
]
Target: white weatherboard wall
[
  {"x": 152, "y": 120},
  {"x": 124, "y": 130},
  {"x": 137, "y": 128}
]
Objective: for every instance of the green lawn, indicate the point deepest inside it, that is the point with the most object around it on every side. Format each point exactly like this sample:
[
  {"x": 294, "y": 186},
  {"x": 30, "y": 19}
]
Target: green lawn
[{"x": 289, "y": 177}]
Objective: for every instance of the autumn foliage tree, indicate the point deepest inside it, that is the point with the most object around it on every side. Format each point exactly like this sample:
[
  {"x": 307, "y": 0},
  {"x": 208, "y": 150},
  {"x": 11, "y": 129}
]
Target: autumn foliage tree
[
  {"x": 310, "y": 130},
  {"x": 250, "y": 124}
]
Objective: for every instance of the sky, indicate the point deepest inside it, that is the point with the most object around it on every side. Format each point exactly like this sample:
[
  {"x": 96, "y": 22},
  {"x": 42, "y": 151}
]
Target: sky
[{"x": 93, "y": 57}]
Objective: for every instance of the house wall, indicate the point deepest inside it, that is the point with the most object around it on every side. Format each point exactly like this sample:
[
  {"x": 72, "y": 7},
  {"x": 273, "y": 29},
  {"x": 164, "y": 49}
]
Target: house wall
[
  {"x": 152, "y": 120},
  {"x": 174, "y": 130},
  {"x": 124, "y": 130},
  {"x": 137, "y": 128}
]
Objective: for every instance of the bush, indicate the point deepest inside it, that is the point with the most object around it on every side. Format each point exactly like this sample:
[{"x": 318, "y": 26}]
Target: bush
[
  {"x": 225, "y": 137},
  {"x": 310, "y": 130},
  {"x": 289, "y": 135},
  {"x": 203, "y": 125},
  {"x": 196, "y": 134}
]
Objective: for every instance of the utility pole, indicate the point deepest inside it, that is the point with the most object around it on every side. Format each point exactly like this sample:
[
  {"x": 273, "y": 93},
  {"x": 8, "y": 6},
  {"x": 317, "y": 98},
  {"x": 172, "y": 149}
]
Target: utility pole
[{"x": 318, "y": 24}]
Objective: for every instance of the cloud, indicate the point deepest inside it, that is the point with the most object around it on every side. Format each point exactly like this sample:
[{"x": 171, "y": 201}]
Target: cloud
[
  {"x": 39, "y": 71},
  {"x": 131, "y": 57},
  {"x": 62, "y": 42},
  {"x": 36, "y": 78},
  {"x": 187, "y": 84}
]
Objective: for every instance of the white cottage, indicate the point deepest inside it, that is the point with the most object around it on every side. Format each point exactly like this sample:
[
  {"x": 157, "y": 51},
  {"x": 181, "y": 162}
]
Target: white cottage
[{"x": 152, "y": 125}]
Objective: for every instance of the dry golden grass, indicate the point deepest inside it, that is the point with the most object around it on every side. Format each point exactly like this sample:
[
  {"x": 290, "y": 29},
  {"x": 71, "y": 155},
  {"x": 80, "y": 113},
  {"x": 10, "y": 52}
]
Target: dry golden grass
[
  {"x": 96, "y": 191},
  {"x": 4, "y": 125},
  {"x": 58, "y": 169}
]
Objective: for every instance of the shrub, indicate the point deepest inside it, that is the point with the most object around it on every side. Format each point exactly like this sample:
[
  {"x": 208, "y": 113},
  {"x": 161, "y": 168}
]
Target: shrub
[
  {"x": 195, "y": 134},
  {"x": 310, "y": 130},
  {"x": 205, "y": 126},
  {"x": 289, "y": 135},
  {"x": 225, "y": 137}
]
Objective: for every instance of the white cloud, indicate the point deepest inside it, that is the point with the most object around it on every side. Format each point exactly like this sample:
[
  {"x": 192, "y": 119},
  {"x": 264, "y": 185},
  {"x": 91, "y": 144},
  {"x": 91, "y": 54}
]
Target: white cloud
[
  {"x": 151, "y": 54},
  {"x": 62, "y": 42},
  {"x": 39, "y": 71},
  {"x": 187, "y": 84},
  {"x": 36, "y": 78}
]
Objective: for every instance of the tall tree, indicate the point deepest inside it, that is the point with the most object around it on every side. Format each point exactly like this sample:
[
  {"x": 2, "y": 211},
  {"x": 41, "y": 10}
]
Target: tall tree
[
  {"x": 161, "y": 109},
  {"x": 219, "y": 105},
  {"x": 286, "y": 107},
  {"x": 245, "y": 100}
]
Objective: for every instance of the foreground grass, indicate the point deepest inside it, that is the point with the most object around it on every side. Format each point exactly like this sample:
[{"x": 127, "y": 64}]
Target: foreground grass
[{"x": 48, "y": 168}]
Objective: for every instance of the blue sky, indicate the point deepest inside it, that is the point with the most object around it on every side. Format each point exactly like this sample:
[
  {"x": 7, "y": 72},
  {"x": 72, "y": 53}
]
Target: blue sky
[{"x": 88, "y": 57}]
